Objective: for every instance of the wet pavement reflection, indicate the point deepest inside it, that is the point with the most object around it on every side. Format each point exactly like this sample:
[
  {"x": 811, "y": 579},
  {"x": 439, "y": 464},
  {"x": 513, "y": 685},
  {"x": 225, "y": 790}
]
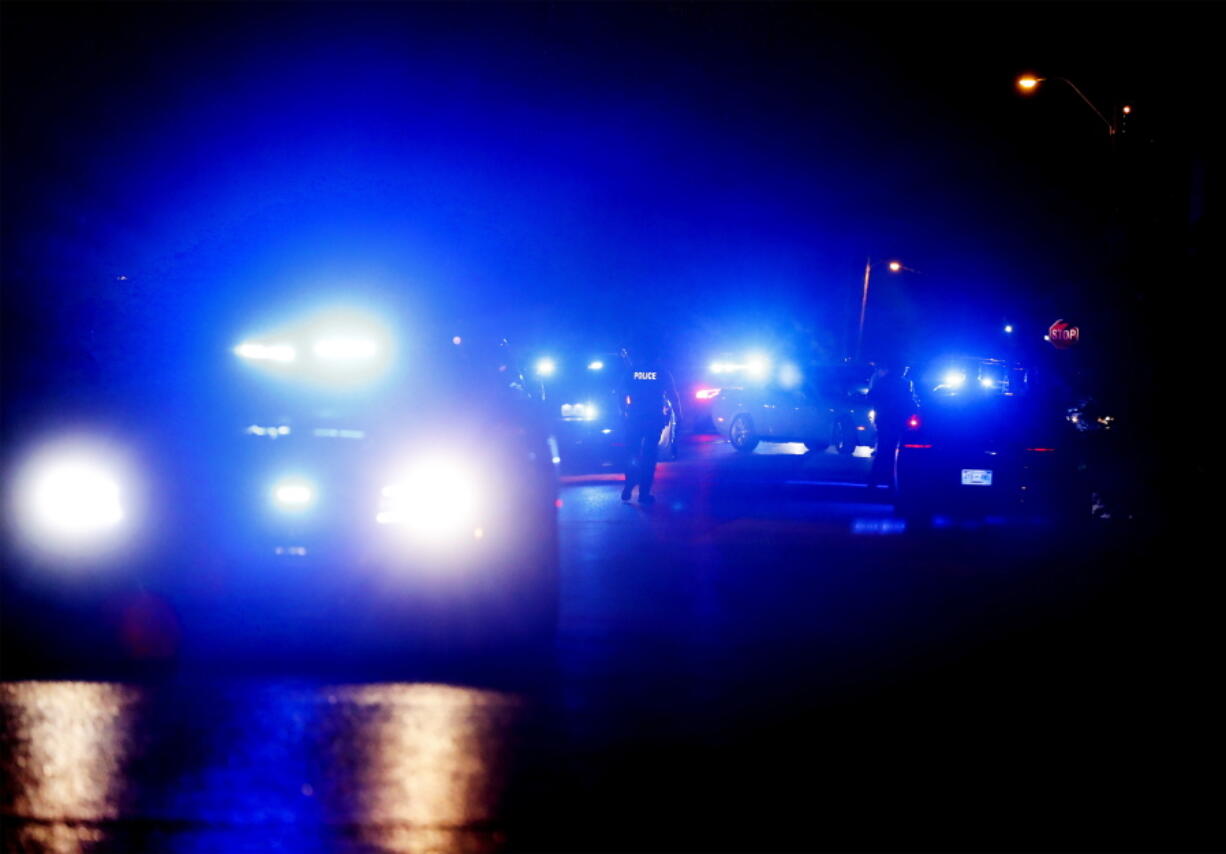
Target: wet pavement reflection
[{"x": 250, "y": 766}]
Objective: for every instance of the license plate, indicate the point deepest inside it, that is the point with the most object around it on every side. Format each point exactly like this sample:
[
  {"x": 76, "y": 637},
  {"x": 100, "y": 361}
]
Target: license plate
[{"x": 976, "y": 477}]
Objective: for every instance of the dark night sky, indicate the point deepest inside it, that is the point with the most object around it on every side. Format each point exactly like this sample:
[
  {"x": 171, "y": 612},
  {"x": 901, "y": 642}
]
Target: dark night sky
[{"x": 729, "y": 166}]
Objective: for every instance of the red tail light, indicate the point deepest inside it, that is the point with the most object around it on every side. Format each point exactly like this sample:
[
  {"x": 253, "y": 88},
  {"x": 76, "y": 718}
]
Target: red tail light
[
  {"x": 1041, "y": 450},
  {"x": 917, "y": 446},
  {"x": 913, "y": 423},
  {"x": 706, "y": 393}
]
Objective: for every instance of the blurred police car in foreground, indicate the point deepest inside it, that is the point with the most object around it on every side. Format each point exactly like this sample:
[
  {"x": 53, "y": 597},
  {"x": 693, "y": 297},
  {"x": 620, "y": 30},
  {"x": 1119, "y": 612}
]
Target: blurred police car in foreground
[
  {"x": 983, "y": 441},
  {"x": 823, "y": 407},
  {"x": 581, "y": 398},
  {"x": 341, "y": 498}
]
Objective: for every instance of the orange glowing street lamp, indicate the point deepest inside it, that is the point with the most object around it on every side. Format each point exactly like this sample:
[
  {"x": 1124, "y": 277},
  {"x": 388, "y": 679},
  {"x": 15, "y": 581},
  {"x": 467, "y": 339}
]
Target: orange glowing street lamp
[{"x": 1028, "y": 84}]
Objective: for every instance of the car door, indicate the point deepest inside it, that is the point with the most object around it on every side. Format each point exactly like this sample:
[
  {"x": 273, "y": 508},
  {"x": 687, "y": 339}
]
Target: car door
[
  {"x": 773, "y": 413},
  {"x": 811, "y": 417}
]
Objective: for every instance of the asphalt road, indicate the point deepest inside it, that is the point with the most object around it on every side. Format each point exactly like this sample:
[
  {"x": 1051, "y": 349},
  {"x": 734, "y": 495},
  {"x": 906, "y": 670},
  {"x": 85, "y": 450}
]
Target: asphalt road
[{"x": 767, "y": 658}]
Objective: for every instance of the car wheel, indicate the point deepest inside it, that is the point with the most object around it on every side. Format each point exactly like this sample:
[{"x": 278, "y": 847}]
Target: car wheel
[
  {"x": 741, "y": 434},
  {"x": 843, "y": 438}
]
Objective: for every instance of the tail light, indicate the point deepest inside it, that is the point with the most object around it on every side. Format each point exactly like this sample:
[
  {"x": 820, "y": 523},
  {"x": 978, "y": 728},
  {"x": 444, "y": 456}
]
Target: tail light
[
  {"x": 706, "y": 393},
  {"x": 913, "y": 423}
]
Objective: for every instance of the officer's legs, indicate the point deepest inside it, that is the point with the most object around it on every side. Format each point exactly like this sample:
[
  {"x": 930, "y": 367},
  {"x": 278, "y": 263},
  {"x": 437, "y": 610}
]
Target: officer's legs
[
  {"x": 649, "y": 444},
  {"x": 885, "y": 458},
  {"x": 631, "y": 462}
]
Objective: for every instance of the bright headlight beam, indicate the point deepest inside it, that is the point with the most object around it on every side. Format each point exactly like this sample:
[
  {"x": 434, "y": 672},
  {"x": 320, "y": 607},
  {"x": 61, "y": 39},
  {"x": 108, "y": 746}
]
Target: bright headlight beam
[
  {"x": 954, "y": 379},
  {"x": 259, "y": 352},
  {"x": 71, "y": 499},
  {"x": 434, "y": 500},
  {"x": 292, "y": 494},
  {"x": 345, "y": 349},
  {"x": 546, "y": 367},
  {"x": 76, "y": 498}
]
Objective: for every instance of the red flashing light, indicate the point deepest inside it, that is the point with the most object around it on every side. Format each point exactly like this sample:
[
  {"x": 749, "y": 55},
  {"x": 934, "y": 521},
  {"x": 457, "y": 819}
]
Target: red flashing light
[
  {"x": 1041, "y": 450},
  {"x": 913, "y": 423},
  {"x": 706, "y": 393},
  {"x": 917, "y": 446}
]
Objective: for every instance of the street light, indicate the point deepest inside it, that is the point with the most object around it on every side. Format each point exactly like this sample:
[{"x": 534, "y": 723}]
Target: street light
[
  {"x": 1028, "y": 84},
  {"x": 893, "y": 267}
]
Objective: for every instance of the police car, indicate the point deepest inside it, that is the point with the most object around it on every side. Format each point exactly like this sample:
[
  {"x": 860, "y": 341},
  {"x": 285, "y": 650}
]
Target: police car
[
  {"x": 823, "y": 408},
  {"x": 582, "y": 400},
  {"x": 983, "y": 442},
  {"x": 335, "y": 497}
]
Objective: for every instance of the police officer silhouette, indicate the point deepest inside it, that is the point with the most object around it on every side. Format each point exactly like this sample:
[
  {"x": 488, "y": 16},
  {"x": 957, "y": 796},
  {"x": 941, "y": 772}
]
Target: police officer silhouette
[
  {"x": 891, "y": 395},
  {"x": 646, "y": 395}
]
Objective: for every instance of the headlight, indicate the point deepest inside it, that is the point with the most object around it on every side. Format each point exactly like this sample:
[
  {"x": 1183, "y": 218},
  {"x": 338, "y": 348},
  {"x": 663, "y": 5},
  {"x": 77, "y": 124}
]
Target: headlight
[
  {"x": 256, "y": 351},
  {"x": 954, "y": 379},
  {"x": 580, "y": 411},
  {"x": 70, "y": 499},
  {"x": 435, "y": 499},
  {"x": 293, "y": 495},
  {"x": 546, "y": 367}
]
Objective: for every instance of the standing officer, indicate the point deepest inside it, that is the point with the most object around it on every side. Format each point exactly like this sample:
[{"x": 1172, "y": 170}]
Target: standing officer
[
  {"x": 646, "y": 395},
  {"x": 892, "y": 396}
]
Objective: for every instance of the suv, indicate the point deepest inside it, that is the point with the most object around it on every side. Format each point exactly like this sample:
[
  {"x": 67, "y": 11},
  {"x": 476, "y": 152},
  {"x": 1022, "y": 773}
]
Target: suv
[{"x": 826, "y": 408}]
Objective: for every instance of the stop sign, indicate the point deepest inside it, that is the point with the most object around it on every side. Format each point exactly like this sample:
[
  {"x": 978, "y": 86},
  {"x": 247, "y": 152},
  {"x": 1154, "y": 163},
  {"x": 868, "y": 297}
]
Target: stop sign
[{"x": 1063, "y": 335}]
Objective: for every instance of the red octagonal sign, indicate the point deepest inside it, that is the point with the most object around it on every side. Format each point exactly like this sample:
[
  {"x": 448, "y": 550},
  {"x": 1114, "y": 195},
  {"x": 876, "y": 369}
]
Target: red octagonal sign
[{"x": 1063, "y": 335}]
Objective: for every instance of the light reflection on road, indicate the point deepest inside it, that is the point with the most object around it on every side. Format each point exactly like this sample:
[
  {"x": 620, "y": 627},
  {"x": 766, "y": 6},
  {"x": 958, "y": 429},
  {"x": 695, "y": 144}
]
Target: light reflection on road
[
  {"x": 399, "y": 767},
  {"x": 65, "y": 748},
  {"x": 430, "y": 764}
]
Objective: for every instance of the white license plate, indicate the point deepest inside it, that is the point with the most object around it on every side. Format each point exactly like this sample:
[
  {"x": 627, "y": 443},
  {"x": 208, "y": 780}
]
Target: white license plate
[{"x": 976, "y": 477}]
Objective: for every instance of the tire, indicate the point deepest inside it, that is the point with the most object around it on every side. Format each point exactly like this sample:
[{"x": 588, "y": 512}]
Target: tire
[
  {"x": 843, "y": 438},
  {"x": 741, "y": 434}
]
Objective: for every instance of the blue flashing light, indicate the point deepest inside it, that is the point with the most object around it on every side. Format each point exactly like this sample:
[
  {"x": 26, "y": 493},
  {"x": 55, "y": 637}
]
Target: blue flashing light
[
  {"x": 954, "y": 379},
  {"x": 596, "y": 365},
  {"x": 546, "y": 367},
  {"x": 790, "y": 376},
  {"x": 757, "y": 365}
]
